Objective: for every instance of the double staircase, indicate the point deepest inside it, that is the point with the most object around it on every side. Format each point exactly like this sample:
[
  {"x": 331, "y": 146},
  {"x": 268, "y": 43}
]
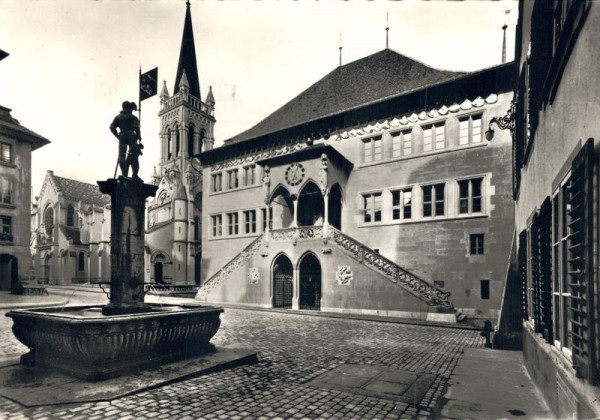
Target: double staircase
[{"x": 361, "y": 253}]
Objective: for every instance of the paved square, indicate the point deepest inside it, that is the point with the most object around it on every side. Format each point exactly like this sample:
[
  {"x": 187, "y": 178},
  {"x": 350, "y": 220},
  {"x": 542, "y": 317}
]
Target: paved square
[
  {"x": 379, "y": 382},
  {"x": 293, "y": 350}
]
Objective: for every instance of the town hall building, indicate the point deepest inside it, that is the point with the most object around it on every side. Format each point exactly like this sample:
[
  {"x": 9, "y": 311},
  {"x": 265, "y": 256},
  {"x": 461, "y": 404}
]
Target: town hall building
[{"x": 374, "y": 191}]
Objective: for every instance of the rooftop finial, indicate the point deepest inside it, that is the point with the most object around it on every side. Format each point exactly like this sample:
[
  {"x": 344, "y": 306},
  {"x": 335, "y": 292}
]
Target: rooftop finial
[
  {"x": 387, "y": 30},
  {"x": 340, "y": 49},
  {"x": 506, "y": 12},
  {"x": 187, "y": 3}
]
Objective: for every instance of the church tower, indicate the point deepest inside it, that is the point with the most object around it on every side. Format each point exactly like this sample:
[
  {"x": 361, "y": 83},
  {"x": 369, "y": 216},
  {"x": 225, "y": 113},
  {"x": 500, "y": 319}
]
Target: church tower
[{"x": 186, "y": 129}]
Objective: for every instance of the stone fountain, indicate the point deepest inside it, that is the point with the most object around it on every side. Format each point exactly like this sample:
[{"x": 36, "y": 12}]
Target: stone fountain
[{"x": 99, "y": 342}]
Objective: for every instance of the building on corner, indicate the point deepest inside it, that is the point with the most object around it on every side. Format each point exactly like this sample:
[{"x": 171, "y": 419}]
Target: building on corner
[
  {"x": 16, "y": 145},
  {"x": 556, "y": 191}
]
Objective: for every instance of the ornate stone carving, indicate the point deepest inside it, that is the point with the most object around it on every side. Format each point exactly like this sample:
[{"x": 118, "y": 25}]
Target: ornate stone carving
[
  {"x": 323, "y": 173},
  {"x": 391, "y": 270},
  {"x": 253, "y": 275},
  {"x": 326, "y": 250},
  {"x": 266, "y": 183},
  {"x": 343, "y": 275},
  {"x": 265, "y": 154}
]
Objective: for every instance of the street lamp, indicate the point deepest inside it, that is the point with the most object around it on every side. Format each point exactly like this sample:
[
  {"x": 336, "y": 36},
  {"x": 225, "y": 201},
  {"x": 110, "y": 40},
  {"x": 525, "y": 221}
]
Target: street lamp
[{"x": 503, "y": 123}]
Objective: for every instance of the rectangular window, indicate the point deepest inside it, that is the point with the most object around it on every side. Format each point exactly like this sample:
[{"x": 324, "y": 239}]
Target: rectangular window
[
  {"x": 6, "y": 152},
  {"x": 372, "y": 208},
  {"x": 402, "y": 144},
  {"x": 217, "y": 225},
  {"x": 232, "y": 223},
  {"x": 250, "y": 221},
  {"x": 476, "y": 243},
  {"x": 373, "y": 149},
  {"x": 249, "y": 175},
  {"x": 233, "y": 179},
  {"x": 470, "y": 130},
  {"x": 428, "y": 139},
  {"x": 469, "y": 200},
  {"x": 6, "y": 190},
  {"x": 402, "y": 204},
  {"x": 264, "y": 218},
  {"x": 434, "y": 137},
  {"x": 440, "y": 136},
  {"x": 6, "y": 228},
  {"x": 217, "y": 182},
  {"x": 485, "y": 289},
  {"x": 434, "y": 200}
]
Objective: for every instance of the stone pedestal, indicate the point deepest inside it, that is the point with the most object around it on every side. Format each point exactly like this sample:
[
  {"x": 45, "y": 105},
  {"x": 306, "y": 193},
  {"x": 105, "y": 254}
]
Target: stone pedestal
[{"x": 128, "y": 197}]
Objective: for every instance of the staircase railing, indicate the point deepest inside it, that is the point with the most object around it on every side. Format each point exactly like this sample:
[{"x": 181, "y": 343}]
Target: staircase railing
[
  {"x": 231, "y": 266},
  {"x": 398, "y": 275}
]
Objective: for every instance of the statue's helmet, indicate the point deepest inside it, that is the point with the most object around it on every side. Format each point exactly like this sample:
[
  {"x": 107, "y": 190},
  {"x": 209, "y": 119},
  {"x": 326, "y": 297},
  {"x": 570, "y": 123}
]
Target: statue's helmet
[{"x": 130, "y": 106}]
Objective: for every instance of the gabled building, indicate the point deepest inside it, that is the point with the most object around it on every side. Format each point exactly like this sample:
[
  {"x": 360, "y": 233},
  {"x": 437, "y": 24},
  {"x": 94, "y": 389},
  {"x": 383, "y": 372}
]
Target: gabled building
[
  {"x": 16, "y": 145},
  {"x": 71, "y": 240},
  {"x": 556, "y": 191},
  {"x": 373, "y": 191},
  {"x": 173, "y": 251}
]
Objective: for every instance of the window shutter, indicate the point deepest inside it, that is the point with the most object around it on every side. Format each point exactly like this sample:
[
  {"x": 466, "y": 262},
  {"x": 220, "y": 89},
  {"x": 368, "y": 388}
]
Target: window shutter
[
  {"x": 522, "y": 263},
  {"x": 581, "y": 272},
  {"x": 545, "y": 270}
]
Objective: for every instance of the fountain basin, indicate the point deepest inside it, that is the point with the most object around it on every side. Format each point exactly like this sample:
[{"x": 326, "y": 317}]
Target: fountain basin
[{"x": 81, "y": 341}]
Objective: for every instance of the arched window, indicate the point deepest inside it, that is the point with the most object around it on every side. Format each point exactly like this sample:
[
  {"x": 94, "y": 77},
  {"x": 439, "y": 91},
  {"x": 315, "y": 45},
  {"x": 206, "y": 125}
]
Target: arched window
[
  {"x": 49, "y": 221},
  {"x": 169, "y": 146},
  {"x": 190, "y": 141},
  {"x": 177, "y": 143},
  {"x": 201, "y": 136},
  {"x": 81, "y": 262},
  {"x": 70, "y": 216}
]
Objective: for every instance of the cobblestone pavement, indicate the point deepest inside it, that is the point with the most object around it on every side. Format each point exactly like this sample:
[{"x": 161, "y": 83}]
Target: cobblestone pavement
[{"x": 293, "y": 350}]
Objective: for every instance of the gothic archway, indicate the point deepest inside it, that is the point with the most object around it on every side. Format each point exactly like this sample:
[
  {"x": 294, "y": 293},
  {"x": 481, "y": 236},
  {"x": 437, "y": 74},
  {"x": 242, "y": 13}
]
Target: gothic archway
[
  {"x": 283, "y": 288},
  {"x": 310, "y": 282},
  {"x": 311, "y": 210},
  {"x": 282, "y": 206},
  {"x": 334, "y": 204}
]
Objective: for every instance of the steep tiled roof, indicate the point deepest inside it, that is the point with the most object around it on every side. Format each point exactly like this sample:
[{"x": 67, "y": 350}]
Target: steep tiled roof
[
  {"x": 11, "y": 127},
  {"x": 80, "y": 191},
  {"x": 380, "y": 76}
]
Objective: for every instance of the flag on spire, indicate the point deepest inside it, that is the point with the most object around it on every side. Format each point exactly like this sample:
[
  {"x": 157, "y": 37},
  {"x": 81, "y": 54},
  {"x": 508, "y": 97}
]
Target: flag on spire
[{"x": 148, "y": 83}]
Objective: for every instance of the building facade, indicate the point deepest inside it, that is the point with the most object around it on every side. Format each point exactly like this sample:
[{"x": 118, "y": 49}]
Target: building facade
[
  {"x": 71, "y": 237},
  {"x": 374, "y": 191},
  {"x": 556, "y": 191},
  {"x": 16, "y": 145},
  {"x": 173, "y": 250}
]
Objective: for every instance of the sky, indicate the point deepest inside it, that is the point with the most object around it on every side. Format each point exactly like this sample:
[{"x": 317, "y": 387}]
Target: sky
[{"x": 73, "y": 62}]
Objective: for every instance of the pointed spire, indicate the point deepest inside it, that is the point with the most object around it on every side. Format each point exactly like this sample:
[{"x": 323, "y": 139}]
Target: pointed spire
[
  {"x": 340, "y": 50},
  {"x": 183, "y": 83},
  {"x": 164, "y": 93},
  {"x": 187, "y": 57},
  {"x": 387, "y": 31},
  {"x": 210, "y": 99}
]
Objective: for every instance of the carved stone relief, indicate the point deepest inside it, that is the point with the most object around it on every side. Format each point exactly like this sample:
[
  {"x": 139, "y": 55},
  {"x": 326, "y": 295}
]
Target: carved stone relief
[{"x": 343, "y": 275}]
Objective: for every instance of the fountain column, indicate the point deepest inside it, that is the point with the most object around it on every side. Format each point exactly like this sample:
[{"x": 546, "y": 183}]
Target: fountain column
[{"x": 128, "y": 198}]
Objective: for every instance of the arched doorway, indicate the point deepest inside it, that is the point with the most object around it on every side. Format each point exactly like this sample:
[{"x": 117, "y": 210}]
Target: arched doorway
[
  {"x": 310, "y": 283},
  {"x": 310, "y": 206},
  {"x": 283, "y": 288},
  {"x": 334, "y": 204},
  {"x": 9, "y": 272},
  {"x": 158, "y": 267},
  {"x": 282, "y": 206}
]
